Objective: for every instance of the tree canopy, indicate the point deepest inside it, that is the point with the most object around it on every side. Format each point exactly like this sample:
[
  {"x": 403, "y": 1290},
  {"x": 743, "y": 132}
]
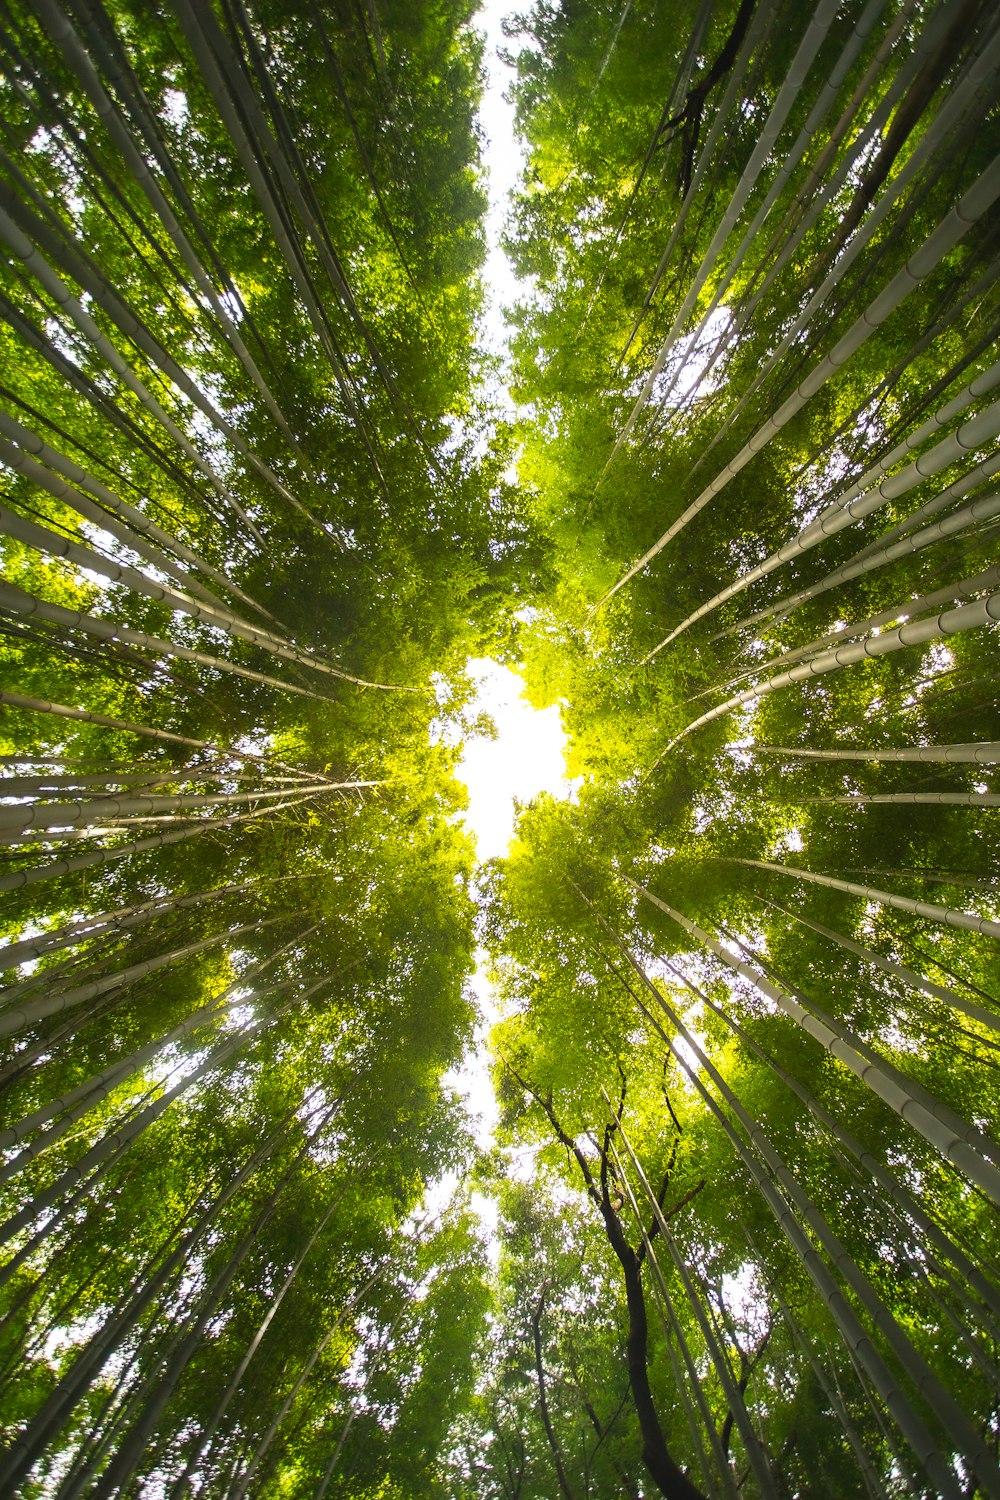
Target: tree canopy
[{"x": 261, "y": 505}]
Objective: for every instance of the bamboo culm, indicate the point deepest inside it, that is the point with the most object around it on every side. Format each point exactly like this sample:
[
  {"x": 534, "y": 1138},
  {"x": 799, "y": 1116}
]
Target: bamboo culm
[
  {"x": 855, "y": 1336},
  {"x": 915, "y": 633},
  {"x": 973, "y": 204}
]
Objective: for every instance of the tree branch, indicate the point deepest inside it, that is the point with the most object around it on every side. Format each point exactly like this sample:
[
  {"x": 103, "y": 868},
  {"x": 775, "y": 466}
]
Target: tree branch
[
  {"x": 688, "y": 118},
  {"x": 566, "y": 1140}
]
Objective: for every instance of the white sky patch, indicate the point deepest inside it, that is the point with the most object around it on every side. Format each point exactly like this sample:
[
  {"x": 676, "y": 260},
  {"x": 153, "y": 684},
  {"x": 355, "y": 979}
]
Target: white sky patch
[
  {"x": 937, "y": 658},
  {"x": 472, "y": 1082},
  {"x": 175, "y": 108},
  {"x": 701, "y": 816},
  {"x": 526, "y": 758},
  {"x": 742, "y": 752},
  {"x": 745, "y": 1297},
  {"x": 688, "y": 1054},
  {"x": 472, "y": 1079},
  {"x": 689, "y": 363}
]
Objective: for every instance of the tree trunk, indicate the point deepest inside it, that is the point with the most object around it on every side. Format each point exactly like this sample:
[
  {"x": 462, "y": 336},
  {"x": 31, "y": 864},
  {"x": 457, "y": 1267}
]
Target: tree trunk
[
  {"x": 80, "y": 64},
  {"x": 855, "y": 1335}
]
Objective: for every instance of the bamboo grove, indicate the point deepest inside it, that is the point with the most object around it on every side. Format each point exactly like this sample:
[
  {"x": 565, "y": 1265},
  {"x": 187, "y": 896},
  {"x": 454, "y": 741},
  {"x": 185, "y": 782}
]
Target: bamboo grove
[
  {"x": 257, "y": 516},
  {"x": 239, "y": 424}
]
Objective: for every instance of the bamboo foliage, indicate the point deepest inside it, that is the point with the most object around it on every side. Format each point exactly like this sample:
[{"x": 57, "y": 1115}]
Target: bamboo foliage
[
  {"x": 815, "y": 1060},
  {"x": 258, "y": 514},
  {"x": 226, "y": 478}
]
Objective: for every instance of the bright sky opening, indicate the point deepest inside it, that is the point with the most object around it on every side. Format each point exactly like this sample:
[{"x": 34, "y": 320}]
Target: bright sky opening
[{"x": 526, "y": 758}]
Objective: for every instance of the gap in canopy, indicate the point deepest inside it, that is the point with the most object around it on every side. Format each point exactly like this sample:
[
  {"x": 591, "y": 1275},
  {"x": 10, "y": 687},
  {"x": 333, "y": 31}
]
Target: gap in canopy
[
  {"x": 518, "y": 751},
  {"x": 502, "y": 772},
  {"x": 526, "y": 757},
  {"x": 506, "y": 769}
]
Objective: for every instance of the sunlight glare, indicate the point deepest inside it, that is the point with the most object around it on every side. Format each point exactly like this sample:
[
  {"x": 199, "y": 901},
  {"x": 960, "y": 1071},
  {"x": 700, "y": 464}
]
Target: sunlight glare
[{"x": 526, "y": 757}]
